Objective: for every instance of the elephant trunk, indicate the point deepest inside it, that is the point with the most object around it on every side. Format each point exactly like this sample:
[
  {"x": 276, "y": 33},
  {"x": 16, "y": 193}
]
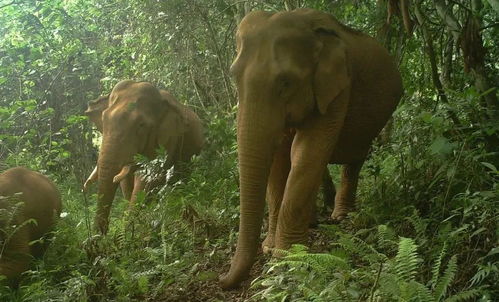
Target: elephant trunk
[
  {"x": 255, "y": 150},
  {"x": 108, "y": 167}
]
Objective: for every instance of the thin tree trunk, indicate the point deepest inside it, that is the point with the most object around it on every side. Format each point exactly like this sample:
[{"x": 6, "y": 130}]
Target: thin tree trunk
[
  {"x": 447, "y": 64},
  {"x": 220, "y": 56},
  {"x": 433, "y": 63}
]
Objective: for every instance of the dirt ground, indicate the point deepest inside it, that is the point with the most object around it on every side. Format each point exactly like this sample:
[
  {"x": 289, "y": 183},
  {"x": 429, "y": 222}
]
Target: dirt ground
[{"x": 201, "y": 291}]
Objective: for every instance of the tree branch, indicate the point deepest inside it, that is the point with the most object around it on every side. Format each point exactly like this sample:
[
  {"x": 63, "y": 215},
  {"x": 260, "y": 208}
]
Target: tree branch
[{"x": 8, "y": 4}]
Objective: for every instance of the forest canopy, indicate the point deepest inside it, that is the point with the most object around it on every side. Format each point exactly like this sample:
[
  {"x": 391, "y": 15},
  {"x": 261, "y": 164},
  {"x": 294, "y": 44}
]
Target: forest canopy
[{"x": 425, "y": 226}]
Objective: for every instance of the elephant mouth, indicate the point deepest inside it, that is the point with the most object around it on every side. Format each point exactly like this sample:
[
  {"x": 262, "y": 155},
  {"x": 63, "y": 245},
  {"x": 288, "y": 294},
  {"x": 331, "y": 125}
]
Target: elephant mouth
[{"x": 124, "y": 172}]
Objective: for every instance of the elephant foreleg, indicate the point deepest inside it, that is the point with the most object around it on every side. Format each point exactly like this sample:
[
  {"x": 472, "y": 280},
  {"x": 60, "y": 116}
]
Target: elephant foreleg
[
  {"x": 310, "y": 153},
  {"x": 278, "y": 176},
  {"x": 345, "y": 199}
]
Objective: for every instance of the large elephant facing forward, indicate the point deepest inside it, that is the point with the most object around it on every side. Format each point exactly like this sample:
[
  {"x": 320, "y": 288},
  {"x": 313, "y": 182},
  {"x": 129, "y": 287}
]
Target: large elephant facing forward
[
  {"x": 94, "y": 113},
  {"x": 40, "y": 201},
  {"x": 140, "y": 119},
  {"x": 333, "y": 85}
]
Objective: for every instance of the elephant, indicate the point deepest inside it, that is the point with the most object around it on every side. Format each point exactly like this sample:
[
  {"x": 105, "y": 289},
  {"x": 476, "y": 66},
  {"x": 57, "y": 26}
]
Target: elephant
[
  {"x": 39, "y": 201},
  {"x": 140, "y": 119},
  {"x": 311, "y": 91},
  {"x": 94, "y": 113}
]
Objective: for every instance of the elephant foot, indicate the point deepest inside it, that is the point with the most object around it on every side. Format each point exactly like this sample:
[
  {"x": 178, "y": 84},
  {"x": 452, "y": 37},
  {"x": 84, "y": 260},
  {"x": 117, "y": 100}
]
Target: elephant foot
[
  {"x": 340, "y": 213},
  {"x": 285, "y": 243},
  {"x": 268, "y": 244}
]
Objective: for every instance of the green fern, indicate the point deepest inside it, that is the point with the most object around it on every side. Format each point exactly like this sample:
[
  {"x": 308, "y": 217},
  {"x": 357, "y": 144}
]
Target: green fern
[
  {"x": 443, "y": 282},
  {"x": 419, "y": 292},
  {"x": 436, "y": 267},
  {"x": 358, "y": 246},
  {"x": 299, "y": 256},
  {"x": 407, "y": 260},
  {"x": 466, "y": 295},
  {"x": 419, "y": 226},
  {"x": 386, "y": 237},
  {"x": 483, "y": 272}
]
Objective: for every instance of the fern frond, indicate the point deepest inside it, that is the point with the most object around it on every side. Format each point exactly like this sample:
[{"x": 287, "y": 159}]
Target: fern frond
[
  {"x": 388, "y": 286},
  {"x": 420, "y": 292},
  {"x": 419, "y": 225},
  {"x": 435, "y": 271},
  {"x": 446, "y": 279},
  {"x": 358, "y": 246},
  {"x": 483, "y": 272},
  {"x": 466, "y": 295},
  {"x": 407, "y": 260},
  {"x": 321, "y": 262},
  {"x": 386, "y": 237}
]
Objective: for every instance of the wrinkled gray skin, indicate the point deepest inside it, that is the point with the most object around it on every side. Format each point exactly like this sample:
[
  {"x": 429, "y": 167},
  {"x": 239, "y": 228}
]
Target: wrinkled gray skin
[{"x": 41, "y": 202}]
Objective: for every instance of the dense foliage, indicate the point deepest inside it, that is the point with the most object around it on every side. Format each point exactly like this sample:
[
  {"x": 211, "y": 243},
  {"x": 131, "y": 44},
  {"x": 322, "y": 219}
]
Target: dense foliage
[{"x": 426, "y": 225}]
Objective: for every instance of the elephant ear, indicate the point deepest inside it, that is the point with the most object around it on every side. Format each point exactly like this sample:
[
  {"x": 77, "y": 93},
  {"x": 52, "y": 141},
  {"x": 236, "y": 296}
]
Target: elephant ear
[
  {"x": 95, "y": 109},
  {"x": 172, "y": 127},
  {"x": 331, "y": 75},
  {"x": 98, "y": 105}
]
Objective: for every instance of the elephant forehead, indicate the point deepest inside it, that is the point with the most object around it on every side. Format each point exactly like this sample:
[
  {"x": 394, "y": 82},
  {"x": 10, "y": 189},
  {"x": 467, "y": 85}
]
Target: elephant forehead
[
  {"x": 276, "y": 32},
  {"x": 261, "y": 22},
  {"x": 122, "y": 111}
]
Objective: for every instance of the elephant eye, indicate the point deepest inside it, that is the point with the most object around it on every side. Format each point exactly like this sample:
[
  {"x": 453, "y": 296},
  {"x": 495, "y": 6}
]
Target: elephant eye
[
  {"x": 141, "y": 126},
  {"x": 284, "y": 84}
]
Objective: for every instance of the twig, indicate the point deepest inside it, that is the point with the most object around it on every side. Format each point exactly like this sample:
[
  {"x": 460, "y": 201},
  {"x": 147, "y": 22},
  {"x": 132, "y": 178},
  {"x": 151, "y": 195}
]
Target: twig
[
  {"x": 375, "y": 285},
  {"x": 489, "y": 26},
  {"x": 87, "y": 219}
]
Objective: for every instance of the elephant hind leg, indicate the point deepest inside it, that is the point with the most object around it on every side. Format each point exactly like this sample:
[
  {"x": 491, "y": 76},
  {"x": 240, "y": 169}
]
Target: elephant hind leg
[
  {"x": 138, "y": 186},
  {"x": 345, "y": 198},
  {"x": 328, "y": 190},
  {"x": 328, "y": 193},
  {"x": 276, "y": 185}
]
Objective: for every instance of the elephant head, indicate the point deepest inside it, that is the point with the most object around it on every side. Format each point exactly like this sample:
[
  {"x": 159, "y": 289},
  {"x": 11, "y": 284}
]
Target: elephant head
[
  {"x": 289, "y": 66},
  {"x": 132, "y": 123}
]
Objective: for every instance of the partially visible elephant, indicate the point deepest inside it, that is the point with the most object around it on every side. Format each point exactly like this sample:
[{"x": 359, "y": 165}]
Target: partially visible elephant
[
  {"x": 40, "y": 201},
  {"x": 336, "y": 87},
  {"x": 140, "y": 119}
]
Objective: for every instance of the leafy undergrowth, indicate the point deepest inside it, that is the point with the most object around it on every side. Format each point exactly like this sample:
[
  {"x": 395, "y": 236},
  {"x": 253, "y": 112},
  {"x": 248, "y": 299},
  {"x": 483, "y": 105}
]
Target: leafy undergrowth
[{"x": 424, "y": 230}]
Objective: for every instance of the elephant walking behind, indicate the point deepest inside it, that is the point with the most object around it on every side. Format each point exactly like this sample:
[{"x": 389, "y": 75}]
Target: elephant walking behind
[
  {"x": 311, "y": 92},
  {"x": 24, "y": 223},
  {"x": 137, "y": 118}
]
